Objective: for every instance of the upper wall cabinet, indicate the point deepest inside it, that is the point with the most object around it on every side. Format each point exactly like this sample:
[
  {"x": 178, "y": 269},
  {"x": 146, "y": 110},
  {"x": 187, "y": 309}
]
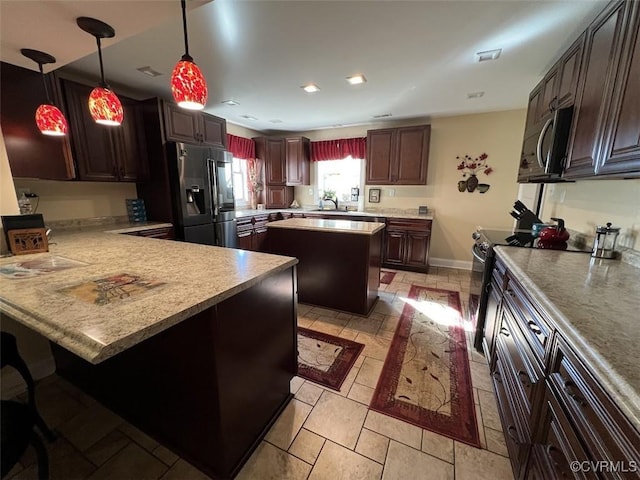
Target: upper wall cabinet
[
  {"x": 621, "y": 152},
  {"x": 31, "y": 154},
  {"x": 606, "y": 130},
  {"x": 105, "y": 153},
  {"x": 187, "y": 126},
  {"x": 298, "y": 154},
  {"x": 398, "y": 156}
]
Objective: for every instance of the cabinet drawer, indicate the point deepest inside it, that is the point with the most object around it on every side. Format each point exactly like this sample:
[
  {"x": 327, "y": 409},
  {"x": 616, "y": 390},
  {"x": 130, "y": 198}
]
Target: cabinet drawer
[
  {"x": 518, "y": 363},
  {"x": 407, "y": 224},
  {"x": 163, "y": 233},
  {"x": 516, "y": 438},
  {"x": 557, "y": 446},
  {"x": 535, "y": 329},
  {"x": 605, "y": 431}
]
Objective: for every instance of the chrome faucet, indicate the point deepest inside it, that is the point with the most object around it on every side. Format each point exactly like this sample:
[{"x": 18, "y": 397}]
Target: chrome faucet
[{"x": 334, "y": 200}]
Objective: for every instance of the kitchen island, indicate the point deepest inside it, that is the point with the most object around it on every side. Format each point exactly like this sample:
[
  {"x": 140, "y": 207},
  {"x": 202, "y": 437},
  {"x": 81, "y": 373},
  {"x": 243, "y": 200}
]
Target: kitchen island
[
  {"x": 195, "y": 345},
  {"x": 339, "y": 260}
]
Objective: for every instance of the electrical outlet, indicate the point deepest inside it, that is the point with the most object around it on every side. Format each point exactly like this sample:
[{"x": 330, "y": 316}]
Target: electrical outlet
[{"x": 392, "y": 192}]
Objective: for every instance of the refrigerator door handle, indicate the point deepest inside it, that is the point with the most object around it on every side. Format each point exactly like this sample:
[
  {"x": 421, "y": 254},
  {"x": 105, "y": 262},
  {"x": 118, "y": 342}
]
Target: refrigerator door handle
[{"x": 211, "y": 165}]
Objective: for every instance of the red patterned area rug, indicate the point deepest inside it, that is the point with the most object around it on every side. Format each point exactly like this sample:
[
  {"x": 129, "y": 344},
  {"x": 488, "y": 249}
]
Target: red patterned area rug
[
  {"x": 426, "y": 378},
  {"x": 325, "y": 359},
  {"x": 386, "y": 277}
]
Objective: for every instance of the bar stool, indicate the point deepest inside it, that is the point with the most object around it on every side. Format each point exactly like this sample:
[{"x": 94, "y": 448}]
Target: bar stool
[{"x": 19, "y": 419}]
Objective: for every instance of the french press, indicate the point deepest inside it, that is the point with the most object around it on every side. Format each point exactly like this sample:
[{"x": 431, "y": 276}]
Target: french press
[{"x": 604, "y": 242}]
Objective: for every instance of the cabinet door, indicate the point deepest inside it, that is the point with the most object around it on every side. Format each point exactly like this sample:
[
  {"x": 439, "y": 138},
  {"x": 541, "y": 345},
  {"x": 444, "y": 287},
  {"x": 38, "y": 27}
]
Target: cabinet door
[
  {"x": 622, "y": 153},
  {"x": 535, "y": 98},
  {"x": 278, "y": 196},
  {"x": 259, "y": 239},
  {"x": 245, "y": 240},
  {"x": 569, "y": 72},
  {"x": 213, "y": 130},
  {"x": 275, "y": 162},
  {"x": 132, "y": 160},
  {"x": 602, "y": 51},
  {"x": 380, "y": 156},
  {"x": 297, "y": 160},
  {"x": 181, "y": 125},
  {"x": 92, "y": 143},
  {"x": 395, "y": 247},
  {"x": 417, "y": 249},
  {"x": 412, "y": 155},
  {"x": 31, "y": 154},
  {"x": 549, "y": 94}
]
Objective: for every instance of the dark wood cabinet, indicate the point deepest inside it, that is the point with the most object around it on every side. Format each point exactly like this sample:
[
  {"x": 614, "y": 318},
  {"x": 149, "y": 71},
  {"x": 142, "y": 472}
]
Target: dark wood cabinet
[
  {"x": 272, "y": 152},
  {"x": 569, "y": 73},
  {"x": 194, "y": 127},
  {"x": 406, "y": 244},
  {"x": 31, "y": 154},
  {"x": 621, "y": 153},
  {"x": 105, "y": 153},
  {"x": 398, "y": 156},
  {"x": 535, "y": 99},
  {"x": 252, "y": 232},
  {"x": 602, "y": 53},
  {"x": 553, "y": 410},
  {"x": 278, "y": 196},
  {"x": 298, "y": 155},
  {"x": 162, "y": 233}
]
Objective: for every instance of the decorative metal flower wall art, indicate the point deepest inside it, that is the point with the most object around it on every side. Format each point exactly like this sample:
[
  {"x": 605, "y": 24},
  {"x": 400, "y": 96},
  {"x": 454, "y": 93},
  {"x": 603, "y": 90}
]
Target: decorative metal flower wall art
[{"x": 470, "y": 168}]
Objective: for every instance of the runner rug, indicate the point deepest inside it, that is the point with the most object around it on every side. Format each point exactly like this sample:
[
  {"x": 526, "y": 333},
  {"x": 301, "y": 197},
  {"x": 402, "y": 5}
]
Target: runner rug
[
  {"x": 325, "y": 359},
  {"x": 426, "y": 378},
  {"x": 386, "y": 277}
]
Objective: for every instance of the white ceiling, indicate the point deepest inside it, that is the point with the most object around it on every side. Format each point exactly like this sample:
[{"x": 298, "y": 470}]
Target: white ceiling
[{"x": 418, "y": 56}]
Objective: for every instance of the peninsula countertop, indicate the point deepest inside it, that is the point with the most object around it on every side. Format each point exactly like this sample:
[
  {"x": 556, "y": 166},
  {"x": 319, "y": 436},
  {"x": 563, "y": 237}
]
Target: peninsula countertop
[
  {"x": 325, "y": 225},
  {"x": 174, "y": 281},
  {"x": 385, "y": 213},
  {"x": 594, "y": 304}
]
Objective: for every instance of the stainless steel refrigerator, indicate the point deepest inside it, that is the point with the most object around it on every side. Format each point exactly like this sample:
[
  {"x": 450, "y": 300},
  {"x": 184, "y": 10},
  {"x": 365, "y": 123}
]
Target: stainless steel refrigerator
[{"x": 202, "y": 189}]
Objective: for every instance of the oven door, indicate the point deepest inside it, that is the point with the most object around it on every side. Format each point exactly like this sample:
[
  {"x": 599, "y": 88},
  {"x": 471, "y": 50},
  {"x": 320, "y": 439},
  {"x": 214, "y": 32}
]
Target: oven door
[{"x": 480, "y": 280}]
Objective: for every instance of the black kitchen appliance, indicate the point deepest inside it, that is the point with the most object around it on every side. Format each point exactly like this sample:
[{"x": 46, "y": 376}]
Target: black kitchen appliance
[
  {"x": 202, "y": 189},
  {"x": 482, "y": 267},
  {"x": 544, "y": 152}
]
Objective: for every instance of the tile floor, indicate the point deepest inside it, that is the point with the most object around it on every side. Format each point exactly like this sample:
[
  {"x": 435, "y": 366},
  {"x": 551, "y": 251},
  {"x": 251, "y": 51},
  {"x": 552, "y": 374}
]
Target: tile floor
[{"x": 322, "y": 434}]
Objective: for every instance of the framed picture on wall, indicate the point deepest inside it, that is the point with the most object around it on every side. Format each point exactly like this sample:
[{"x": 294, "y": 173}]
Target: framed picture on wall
[{"x": 374, "y": 195}]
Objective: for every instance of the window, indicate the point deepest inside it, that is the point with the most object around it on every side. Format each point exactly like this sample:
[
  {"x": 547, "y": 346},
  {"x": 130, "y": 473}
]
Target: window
[
  {"x": 240, "y": 182},
  {"x": 339, "y": 177}
]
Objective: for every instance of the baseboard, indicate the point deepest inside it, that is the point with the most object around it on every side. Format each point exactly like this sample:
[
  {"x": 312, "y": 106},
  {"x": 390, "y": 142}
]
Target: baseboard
[
  {"x": 12, "y": 383},
  {"x": 447, "y": 262}
]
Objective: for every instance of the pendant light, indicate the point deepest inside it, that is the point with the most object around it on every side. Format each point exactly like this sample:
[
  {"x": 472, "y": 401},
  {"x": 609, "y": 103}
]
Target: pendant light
[
  {"x": 49, "y": 119},
  {"x": 188, "y": 86},
  {"x": 104, "y": 104}
]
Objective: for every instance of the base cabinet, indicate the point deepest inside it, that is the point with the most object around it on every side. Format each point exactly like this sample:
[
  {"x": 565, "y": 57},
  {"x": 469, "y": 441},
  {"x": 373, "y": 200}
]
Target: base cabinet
[
  {"x": 252, "y": 231},
  {"x": 554, "y": 411},
  {"x": 164, "y": 233},
  {"x": 406, "y": 245}
]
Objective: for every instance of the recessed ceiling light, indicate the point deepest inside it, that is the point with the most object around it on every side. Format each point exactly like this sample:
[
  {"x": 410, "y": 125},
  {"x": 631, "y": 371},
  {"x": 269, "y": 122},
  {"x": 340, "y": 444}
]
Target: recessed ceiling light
[
  {"x": 275, "y": 120},
  {"x": 489, "y": 55},
  {"x": 475, "y": 94},
  {"x": 310, "y": 88},
  {"x": 248, "y": 117},
  {"x": 230, "y": 102},
  {"x": 149, "y": 71},
  {"x": 356, "y": 79},
  {"x": 383, "y": 115}
]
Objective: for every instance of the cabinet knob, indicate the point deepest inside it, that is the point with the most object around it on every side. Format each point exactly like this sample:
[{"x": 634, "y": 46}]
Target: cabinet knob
[{"x": 513, "y": 433}]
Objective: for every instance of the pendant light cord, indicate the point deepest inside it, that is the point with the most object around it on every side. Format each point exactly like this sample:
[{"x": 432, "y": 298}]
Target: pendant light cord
[
  {"x": 186, "y": 55},
  {"x": 102, "y": 83},
  {"x": 44, "y": 82}
]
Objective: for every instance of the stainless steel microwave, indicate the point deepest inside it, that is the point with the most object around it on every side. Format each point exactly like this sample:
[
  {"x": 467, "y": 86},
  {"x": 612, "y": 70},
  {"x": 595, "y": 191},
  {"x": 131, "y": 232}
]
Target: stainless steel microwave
[{"x": 544, "y": 152}]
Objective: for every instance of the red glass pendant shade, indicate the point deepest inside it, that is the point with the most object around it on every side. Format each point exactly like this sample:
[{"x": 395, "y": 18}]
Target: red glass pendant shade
[
  {"x": 51, "y": 121},
  {"x": 105, "y": 107},
  {"x": 188, "y": 86}
]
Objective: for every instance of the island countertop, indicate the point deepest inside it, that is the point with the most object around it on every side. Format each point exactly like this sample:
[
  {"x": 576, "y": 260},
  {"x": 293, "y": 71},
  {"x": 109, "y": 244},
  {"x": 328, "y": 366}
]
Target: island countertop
[
  {"x": 324, "y": 225},
  {"x": 594, "y": 304},
  {"x": 166, "y": 283}
]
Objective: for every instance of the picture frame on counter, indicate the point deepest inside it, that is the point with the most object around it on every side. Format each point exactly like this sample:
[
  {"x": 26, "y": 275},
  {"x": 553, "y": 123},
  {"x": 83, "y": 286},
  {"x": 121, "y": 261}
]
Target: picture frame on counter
[{"x": 374, "y": 195}]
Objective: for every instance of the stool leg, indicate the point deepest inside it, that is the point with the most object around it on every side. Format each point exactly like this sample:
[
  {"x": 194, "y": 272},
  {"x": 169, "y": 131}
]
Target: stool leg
[
  {"x": 46, "y": 431},
  {"x": 43, "y": 456}
]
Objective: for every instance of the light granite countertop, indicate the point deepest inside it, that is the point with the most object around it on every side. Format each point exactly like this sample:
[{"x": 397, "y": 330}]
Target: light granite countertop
[
  {"x": 325, "y": 225},
  {"x": 595, "y": 304},
  {"x": 388, "y": 213},
  {"x": 138, "y": 227},
  {"x": 190, "y": 278}
]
